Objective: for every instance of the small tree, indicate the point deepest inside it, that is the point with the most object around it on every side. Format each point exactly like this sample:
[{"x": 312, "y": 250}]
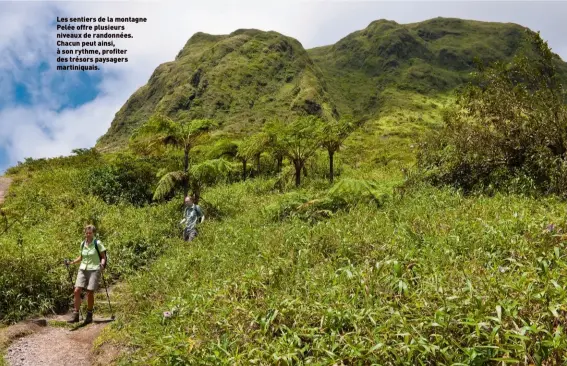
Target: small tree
[
  {"x": 160, "y": 131},
  {"x": 334, "y": 133},
  {"x": 251, "y": 148},
  {"x": 208, "y": 173},
  {"x": 274, "y": 131},
  {"x": 301, "y": 139}
]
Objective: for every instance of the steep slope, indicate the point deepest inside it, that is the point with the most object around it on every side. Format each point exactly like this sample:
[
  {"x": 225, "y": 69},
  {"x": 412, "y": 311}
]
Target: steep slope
[
  {"x": 248, "y": 76},
  {"x": 239, "y": 79},
  {"x": 428, "y": 57}
]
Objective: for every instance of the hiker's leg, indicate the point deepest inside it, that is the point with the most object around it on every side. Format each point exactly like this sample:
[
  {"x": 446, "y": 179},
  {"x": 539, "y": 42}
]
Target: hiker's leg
[
  {"x": 192, "y": 234},
  {"x": 185, "y": 234},
  {"x": 90, "y": 300},
  {"x": 93, "y": 281},
  {"x": 77, "y": 294}
]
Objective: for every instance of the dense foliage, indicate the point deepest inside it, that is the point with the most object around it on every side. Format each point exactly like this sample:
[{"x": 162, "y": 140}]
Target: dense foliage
[
  {"x": 508, "y": 129},
  {"x": 124, "y": 180},
  {"x": 433, "y": 278},
  {"x": 46, "y": 224}
]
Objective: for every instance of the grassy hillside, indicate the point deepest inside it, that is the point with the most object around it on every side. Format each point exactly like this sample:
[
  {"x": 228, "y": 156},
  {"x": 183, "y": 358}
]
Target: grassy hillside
[
  {"x": 430, "y": 276},
  {"x": 240, "y": 80},
  {"x": 378, "y": 268},
  {"x": 429, "y": 57}
]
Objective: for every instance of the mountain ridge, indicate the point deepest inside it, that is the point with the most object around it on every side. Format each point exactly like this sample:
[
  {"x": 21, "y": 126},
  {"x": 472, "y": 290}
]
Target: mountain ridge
[{"x": 249, "y": 76}]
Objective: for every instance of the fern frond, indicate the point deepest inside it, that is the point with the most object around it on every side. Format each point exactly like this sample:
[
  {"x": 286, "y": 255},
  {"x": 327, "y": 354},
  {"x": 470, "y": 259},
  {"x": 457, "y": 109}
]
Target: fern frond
[{"x": 168, "y": 183}]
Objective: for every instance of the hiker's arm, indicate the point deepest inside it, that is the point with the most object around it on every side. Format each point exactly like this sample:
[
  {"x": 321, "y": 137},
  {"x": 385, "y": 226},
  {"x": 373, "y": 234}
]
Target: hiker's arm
[
  {"x": 103, "y": 259},
  {"x": 76, "y": 260}
]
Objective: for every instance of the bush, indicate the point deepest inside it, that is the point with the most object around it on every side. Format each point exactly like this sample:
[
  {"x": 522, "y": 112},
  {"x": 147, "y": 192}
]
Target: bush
[
  {"x": 507, "y": 131},
  {"x": 123, "y": 181},
  {"x": 345, "y": 194}
]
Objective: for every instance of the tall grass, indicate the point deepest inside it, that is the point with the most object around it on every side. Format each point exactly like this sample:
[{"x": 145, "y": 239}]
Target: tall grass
[{"x": 430, "y": 278}]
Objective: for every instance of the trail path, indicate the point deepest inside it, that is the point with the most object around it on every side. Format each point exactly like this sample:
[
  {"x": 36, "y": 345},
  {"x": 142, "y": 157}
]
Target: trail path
[
  {"x": 54, "y": 346},
  {"x": 4, "y": 184}
]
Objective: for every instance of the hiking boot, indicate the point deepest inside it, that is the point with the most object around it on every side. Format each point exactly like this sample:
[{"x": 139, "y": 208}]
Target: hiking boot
[
  {"x": 74, "y": 318},
  {"x": 89, "y": 318}
]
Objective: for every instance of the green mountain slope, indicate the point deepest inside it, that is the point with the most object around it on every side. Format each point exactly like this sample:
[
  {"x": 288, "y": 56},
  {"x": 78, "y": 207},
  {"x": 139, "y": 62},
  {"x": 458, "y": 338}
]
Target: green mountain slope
[
  {"x": 428, "y": 57},
  {"x": 248, "y": 76},
  {"x": 239, "y": 79}
]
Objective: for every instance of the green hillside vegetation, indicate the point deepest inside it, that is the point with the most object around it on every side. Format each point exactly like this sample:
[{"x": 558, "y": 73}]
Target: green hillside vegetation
[
  {"x": 437, "y": 239},
  {"x": 239, "y": 80},
  {"x": 429, "y": 57}
]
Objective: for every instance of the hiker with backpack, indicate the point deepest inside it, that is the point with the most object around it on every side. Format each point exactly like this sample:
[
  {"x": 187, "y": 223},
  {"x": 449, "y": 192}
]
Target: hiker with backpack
[
  {"x": 93, "y": 261},
  {"x": 192, "y": 214}
]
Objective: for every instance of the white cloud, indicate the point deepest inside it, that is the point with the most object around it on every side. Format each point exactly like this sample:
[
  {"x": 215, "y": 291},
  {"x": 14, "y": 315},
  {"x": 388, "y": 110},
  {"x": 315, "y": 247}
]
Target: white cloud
[{"x": 27, "y": 37}]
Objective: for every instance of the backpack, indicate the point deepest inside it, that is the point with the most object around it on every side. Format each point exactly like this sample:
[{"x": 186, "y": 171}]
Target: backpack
[{"x": 96, "y": 247}]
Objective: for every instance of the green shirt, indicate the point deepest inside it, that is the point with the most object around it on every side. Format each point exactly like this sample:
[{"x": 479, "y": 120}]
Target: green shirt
[{"x": 90, "y": 259}]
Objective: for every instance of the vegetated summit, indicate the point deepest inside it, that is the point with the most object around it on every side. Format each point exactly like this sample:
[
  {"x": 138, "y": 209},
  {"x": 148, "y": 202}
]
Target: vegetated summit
[
  {"x": 244, "y": 78},
  {"x": 239, "y": 80}
]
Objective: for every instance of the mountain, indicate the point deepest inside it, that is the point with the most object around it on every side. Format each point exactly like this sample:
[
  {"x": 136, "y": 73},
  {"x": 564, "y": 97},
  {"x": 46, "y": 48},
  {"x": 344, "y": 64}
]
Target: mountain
[
  {"x": 249, "y": 76},
  {"x": 240, "y": 80},
  {"x": 428, "y": 57}
]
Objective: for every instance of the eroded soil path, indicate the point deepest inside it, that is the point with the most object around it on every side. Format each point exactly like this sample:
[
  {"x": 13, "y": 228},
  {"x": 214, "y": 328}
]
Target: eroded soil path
[
  {"x": 51, "y": 341},
  {"x": 54, "y": 346}
]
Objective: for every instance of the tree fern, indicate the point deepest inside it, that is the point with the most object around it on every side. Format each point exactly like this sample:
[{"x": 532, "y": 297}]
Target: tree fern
[
  {"x": 168, "y": 183},
  {"x": 208, "y": 173}
]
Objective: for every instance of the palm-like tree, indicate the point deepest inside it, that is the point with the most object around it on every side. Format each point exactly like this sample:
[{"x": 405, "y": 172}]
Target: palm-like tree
[
  {"x": 161, "y": 131},
  {"x": 334, "y": 133},
  {"x": 252, "y": 147}
]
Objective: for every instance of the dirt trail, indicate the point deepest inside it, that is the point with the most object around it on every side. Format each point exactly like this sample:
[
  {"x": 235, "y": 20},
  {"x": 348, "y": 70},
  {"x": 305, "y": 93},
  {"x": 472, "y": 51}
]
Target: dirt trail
[
  {"x": 54, "y": 346},
  {"x": 49, "y": 344},
  {"x": 4, "y": 184}
]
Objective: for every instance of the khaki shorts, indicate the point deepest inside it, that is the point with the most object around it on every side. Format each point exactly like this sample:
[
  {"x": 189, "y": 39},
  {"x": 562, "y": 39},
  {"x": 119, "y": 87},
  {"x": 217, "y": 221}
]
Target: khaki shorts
[{"x": 88, "y": 279}]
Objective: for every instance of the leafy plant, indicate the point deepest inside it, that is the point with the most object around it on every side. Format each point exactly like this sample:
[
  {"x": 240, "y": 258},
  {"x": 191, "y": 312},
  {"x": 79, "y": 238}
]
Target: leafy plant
[
  {"x": 301, "y": 138},
  {"x": 333, "y": 135},
  {"x": 160, "y": 131},
  {"x": 126, "y": 180}
]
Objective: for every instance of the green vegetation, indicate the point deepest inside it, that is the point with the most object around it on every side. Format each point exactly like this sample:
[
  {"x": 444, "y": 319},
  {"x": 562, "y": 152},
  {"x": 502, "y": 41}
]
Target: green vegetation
[
  {"x": 239, "y": 80},
  {"x": 431, "y": 278},
  {"x": 323, "y": 244},
  {"x": 507, "y": 130},
  {"x": 159, "y": 132},
  {"x": 249, "y": 77},
  {"x": 428, "y": 57}
]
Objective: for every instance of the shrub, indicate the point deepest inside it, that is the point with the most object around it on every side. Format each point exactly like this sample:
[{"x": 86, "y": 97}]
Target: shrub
[
  {"x": 508, "y": 129},
  {"x": 125, "y": 180}
]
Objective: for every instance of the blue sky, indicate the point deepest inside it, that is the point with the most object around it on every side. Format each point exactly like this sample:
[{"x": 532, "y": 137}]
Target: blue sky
[{"x": 46, "y": 113}]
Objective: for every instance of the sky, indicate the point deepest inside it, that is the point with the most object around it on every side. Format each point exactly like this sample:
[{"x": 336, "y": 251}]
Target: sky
[{"x": 46, "y": 113}]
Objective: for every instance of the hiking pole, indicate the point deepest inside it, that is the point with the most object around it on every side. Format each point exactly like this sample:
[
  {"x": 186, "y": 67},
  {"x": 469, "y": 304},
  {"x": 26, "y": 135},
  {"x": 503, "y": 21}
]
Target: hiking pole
[
  {"x": 69, "y": 272},
  {"x": 107, "y": 297}
]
